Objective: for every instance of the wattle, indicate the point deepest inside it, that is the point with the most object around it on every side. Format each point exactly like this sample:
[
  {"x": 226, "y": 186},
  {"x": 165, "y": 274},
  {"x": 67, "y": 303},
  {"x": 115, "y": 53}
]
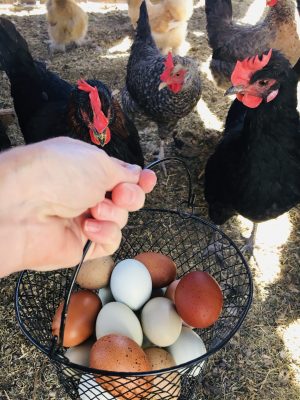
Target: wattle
[{"x": 248, "y": 100}]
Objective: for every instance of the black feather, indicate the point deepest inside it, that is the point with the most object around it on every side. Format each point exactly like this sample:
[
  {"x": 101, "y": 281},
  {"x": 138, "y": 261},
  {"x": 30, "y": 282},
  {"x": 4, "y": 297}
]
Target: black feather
[
  {"x": 255, "y": 169},
  {"x": 48, "y": 106}
]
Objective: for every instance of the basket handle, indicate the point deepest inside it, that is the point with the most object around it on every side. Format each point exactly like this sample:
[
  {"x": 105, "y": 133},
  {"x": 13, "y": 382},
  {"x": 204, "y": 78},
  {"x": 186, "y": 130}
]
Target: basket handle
[
  {"x": 191, "y": 196},
  {"x": 189, "y": 202}
]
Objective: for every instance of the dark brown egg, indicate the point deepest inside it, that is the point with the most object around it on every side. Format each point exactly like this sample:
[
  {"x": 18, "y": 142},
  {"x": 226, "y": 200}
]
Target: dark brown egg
[
  {"x": 161, "y": 268},
  {"x": 198, "y": 299},
  {"x": 83, "y": 309},
  {"x": 121, "y": 354}
]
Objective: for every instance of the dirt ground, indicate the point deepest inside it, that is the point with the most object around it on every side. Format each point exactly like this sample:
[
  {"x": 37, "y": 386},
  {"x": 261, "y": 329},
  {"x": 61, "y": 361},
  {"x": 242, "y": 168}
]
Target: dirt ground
[{"x": 262, "y": 361}]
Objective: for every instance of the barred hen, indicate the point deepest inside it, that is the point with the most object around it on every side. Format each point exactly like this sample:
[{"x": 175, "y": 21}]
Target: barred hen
[
  {"x": 165, "y": 89},
  {"x": 231, "y": 41},
  {"x": 255, "y": 169},
  {"x": 47, "y": 106}
]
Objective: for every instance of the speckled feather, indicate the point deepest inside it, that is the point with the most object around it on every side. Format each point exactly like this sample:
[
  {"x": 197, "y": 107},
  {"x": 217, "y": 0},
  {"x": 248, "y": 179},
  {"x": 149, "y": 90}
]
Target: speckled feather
[{"x": 144, "y": 68}]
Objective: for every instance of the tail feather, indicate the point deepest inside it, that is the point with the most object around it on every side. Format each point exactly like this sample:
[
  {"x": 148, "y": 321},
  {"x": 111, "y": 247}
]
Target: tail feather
[
  {"x": 13, "y": 50},
  {"x": 17, "y": 62},
  {"x": 218, "y": 13},
  {"x": 143, "y": 30},
  {"x": 218, "y": 10}
]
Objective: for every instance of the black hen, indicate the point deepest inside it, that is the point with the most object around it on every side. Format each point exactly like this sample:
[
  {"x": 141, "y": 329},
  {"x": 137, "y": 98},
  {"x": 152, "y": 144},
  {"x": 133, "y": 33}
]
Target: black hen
[
  {"x": 231, "y": 41},
  {"x": 255, "y": 169},
  {"x": 4, "y": 139},
  {"x": 47, "y": 106},
  {"x": 165, "y": 89}
]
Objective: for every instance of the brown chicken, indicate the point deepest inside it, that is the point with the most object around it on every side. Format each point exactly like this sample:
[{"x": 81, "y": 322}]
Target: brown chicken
[
  {"x": 168, "y": 21},
  {"x": 231, "y": 42},
  {"x": 67, "y": 23}
]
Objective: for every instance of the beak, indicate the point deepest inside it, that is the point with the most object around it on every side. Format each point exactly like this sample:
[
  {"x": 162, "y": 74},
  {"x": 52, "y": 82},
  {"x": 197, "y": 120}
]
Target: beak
[
  {"x": 162, "y": 85},
  {"x": 234, "y": 90},
  {"x": 99, "y": 138}
]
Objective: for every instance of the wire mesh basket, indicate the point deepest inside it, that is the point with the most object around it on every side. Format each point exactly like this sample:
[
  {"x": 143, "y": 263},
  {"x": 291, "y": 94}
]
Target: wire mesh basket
[{"x": 195, "y": 245}]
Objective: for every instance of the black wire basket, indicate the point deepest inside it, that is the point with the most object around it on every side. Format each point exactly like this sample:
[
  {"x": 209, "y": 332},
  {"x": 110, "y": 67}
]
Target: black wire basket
[{"x": 194, "y": 244}]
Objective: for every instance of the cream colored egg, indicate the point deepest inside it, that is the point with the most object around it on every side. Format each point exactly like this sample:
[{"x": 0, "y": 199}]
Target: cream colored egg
[
  {"x": 118, "y": 318},
  {"x": 160, "y": 321},
  {"x": 89, "y": 389},
  {"x": 187, "y": 347},
  {"x": 80, "y": 354},
  {"x": 164, "y": 385},
  {"x": 95, "y": 274}
]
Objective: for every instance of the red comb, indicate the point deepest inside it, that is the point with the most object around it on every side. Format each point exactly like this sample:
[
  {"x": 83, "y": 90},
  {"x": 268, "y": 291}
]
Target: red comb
[
  {"x": 271, "y": 3},
  {"x": 243, "y": 70},
  {"x": 100, "y": 121},
  {"x": 169, "y": 65}
]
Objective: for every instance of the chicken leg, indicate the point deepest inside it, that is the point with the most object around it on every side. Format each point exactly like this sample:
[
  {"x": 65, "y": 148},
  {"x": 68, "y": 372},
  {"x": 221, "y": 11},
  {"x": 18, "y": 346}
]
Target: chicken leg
[{"x": 250, "y": 242}]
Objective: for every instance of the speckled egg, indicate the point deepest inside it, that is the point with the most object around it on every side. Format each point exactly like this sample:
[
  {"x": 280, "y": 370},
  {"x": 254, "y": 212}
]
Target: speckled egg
[
  {"x": 164, "y": 385},
  {"x": 120, "y": 354}
]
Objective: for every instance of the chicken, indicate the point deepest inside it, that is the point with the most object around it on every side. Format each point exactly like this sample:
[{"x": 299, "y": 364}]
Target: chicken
[
  {"x": 67, "y": 23},
  {"x": 165, "y": 89},
  {"x": 4, "y": 139},
  {"x": 231, "y": 42},
  {"x": 255, "y": 169},
  {"x": 168, "y": 20},
  {"x": 47, "y": 106}
]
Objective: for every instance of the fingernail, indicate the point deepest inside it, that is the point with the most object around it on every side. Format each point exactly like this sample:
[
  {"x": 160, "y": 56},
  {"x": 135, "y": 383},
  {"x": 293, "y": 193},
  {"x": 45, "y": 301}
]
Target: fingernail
[
  {"x": 150, "y": 171},
  {"x": 134, "y": 168},
  {"x": 130, "y": 195},
  {"x": 103, "y": 209},
  {"x": 92, "y": 226}
]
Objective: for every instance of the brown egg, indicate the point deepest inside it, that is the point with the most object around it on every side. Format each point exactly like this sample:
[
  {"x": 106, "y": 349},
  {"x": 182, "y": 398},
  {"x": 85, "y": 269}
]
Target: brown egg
[
  {"x": 164, "y": 385},
  {"x": 198, "y": 299},
  {"x": 170, "y": 292},
  {"x": 95, "y": 274},
  {"x": 83, "y": 309},
  {"x": 161, "y": 268},
  {"x": 120, "y": 354}
]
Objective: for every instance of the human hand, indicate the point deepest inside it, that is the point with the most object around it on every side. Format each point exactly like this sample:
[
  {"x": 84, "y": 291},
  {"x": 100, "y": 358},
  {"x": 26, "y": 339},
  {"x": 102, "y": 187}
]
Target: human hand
[{"x": 54, "y": 201}]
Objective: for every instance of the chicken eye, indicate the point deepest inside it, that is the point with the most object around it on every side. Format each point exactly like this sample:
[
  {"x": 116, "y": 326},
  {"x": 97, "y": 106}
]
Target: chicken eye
[{"x": 263, "y": 82}]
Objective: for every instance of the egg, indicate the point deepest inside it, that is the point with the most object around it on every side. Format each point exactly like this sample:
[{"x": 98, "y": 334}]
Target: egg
[
  {"x": 131, "y": 283},
  {"x": 160, "y": 321},
  {"x": 188, "y": 347},
  {"x": 118, "y": 318},
  {"x": 80, "y": 354},
  {"x": 95, "y": 274},
  {"x": 121, "y": 354},
  {"x": 198, "y": 299},
  {"x": 161, "y": 268},
  {"x": 170, "y": 292},
  {"x": 83, "y": 309},
  {"x": 105, "y": 295},
  {"x": 164, "y": 385},
  {"x": 89, "y": 389}
]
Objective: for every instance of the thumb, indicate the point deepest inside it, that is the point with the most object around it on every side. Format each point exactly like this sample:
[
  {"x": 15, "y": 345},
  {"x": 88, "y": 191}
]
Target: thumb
[{"x": 122, "y": 172}]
